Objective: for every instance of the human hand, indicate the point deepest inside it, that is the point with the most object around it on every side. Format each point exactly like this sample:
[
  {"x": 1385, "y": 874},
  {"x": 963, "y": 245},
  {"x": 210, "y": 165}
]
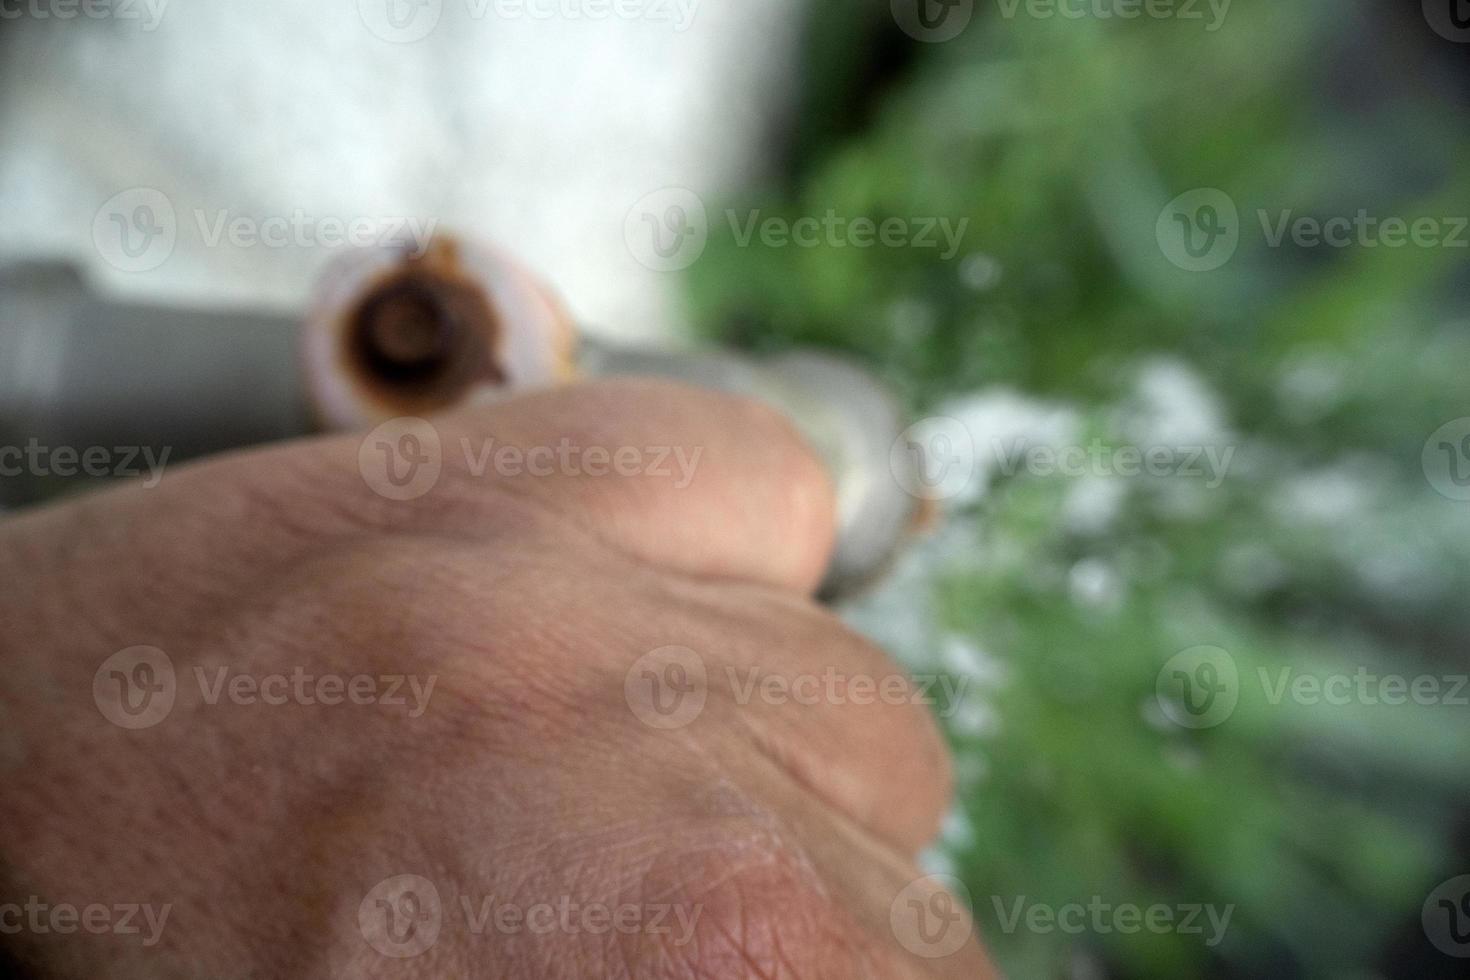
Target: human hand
[{"x": 586, "y": 716}]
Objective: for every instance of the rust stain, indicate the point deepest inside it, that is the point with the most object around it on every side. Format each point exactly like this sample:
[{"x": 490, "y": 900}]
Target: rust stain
[{"x": 423, "y": 334}]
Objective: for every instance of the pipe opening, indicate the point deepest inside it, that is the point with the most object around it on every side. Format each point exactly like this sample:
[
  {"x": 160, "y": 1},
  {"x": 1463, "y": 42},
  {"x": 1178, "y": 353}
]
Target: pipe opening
[{"x": 423, "y": 339}]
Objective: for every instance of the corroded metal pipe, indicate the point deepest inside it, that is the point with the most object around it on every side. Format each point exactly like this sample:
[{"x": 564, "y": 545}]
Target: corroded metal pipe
[{"x": 389, "y": 333}]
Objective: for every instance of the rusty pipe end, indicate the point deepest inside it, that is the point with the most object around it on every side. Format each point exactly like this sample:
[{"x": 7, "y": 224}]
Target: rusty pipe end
[{"x": 397, "y": 332}]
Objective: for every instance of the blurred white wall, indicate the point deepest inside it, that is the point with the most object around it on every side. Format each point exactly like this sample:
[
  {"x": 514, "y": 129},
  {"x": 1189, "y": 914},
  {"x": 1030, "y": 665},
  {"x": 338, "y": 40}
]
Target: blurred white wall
[{"x": 536, "y": 131}]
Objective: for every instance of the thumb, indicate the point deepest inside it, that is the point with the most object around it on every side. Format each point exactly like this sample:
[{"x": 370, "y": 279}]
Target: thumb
[{"x": 693, "y": 480}]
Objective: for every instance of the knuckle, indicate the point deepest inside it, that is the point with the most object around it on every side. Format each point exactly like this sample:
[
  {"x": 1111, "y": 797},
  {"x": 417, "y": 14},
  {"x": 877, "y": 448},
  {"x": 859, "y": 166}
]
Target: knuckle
[{"x": 757, "y": 908}]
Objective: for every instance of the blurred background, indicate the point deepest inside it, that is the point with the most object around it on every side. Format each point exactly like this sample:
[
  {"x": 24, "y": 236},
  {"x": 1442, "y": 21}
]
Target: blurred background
[{"x": 1178, "y": 289}]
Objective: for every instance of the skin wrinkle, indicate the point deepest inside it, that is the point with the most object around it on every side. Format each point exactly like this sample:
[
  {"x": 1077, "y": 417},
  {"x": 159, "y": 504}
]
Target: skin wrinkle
[
  {"x": 783, "y": 735},
  {"x": 530, "y": 776},
  {"x": 842, "y": 817}
]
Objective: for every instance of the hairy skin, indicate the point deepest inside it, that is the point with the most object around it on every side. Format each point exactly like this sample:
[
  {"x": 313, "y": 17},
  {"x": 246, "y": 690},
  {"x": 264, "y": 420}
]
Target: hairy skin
[{"x": 783, "y": 832}]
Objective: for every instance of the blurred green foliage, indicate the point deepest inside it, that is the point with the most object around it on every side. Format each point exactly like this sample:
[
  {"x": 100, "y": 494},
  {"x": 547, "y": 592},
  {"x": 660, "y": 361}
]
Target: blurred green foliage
[{"x": 1061, "y": 141}]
